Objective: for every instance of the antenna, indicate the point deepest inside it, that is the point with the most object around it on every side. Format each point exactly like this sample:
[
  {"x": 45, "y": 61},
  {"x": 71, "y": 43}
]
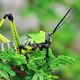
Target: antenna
[{"x": 60, "y": 22}]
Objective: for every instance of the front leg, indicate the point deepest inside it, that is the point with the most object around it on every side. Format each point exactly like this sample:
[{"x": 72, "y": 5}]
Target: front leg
[
  {"x": 46, "y": 47},
  {"x": 47, "y": 55}
]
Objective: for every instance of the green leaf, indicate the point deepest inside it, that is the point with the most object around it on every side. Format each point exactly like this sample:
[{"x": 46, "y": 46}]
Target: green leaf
[
  {"x": 3, "y": 74},
  {"x": 5, "y": 70},
  {"x": 35, "y": 77},
  {"x": 41, "y": 77},
  {"x": 31, "y": 65},
  {"x": 61, "y": 60},
  {"x": 13, "y": 58}
]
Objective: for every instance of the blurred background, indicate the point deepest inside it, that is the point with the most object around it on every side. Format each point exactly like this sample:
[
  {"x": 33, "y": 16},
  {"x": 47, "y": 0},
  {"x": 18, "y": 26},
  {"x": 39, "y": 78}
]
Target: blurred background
[{"x": 34, "y": 15}]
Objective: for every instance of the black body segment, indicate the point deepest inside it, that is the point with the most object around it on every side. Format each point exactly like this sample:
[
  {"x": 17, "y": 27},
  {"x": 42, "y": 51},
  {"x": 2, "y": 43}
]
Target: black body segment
[{"x": 47, "y": 36}]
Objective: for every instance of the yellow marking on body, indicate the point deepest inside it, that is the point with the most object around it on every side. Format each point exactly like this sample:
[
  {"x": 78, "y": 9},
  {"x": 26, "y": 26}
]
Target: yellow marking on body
[{"x": 28, "y": 49}]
